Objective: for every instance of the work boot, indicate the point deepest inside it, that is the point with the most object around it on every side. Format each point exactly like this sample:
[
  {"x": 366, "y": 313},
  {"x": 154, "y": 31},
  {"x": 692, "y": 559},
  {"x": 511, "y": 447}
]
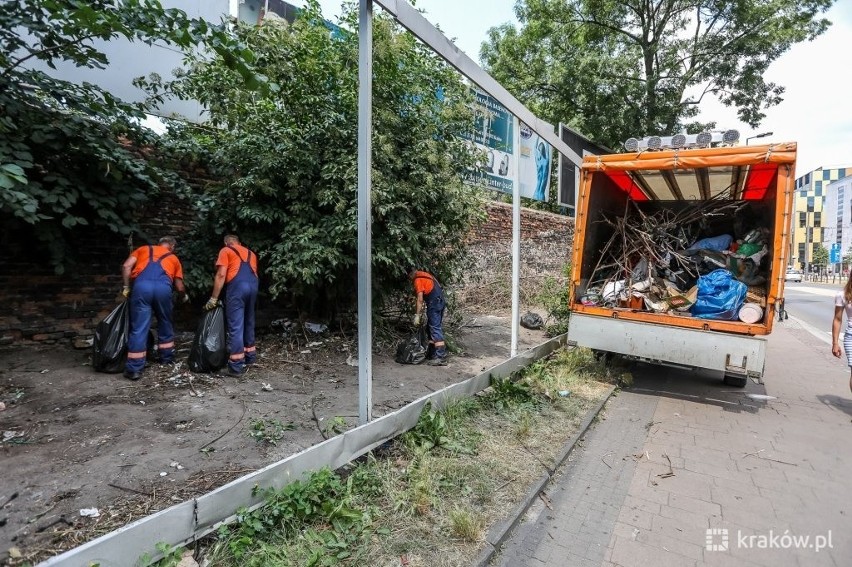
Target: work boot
[
  {"x": 236, "y": 369},
  {"x": 437, "y": 361},
  {"x": 130, "y": 375}
]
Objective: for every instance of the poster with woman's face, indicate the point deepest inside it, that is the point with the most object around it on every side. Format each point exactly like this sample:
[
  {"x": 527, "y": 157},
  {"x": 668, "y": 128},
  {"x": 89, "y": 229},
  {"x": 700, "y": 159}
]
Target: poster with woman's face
[{"x": 534, "y": 165}]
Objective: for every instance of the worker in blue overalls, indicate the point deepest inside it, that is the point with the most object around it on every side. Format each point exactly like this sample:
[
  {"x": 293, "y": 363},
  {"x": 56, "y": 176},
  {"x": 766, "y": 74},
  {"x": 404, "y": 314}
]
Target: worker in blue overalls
[
  {"x": 236, "y": 272},
  {"x": 430, "y": 294},
  {"x": 153, "y": 271}
]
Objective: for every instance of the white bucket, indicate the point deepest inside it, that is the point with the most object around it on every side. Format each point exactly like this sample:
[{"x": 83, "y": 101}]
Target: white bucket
[{"x": 751, "y": 313}]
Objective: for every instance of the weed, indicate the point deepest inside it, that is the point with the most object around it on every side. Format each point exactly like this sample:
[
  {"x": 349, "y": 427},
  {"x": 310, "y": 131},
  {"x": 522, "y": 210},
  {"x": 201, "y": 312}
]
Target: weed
[
  {"x": 324, "y": 501},
  {"x": 554, "y": 298},
  {"x": 507, "y": 393},
  {"x": 271, "y": 431},
  {"x": 466, "y": 525},
  {"x": 431, "y": 429},
  {"x": 335, "y": 426},
  {"x": 172, "y": 555}
]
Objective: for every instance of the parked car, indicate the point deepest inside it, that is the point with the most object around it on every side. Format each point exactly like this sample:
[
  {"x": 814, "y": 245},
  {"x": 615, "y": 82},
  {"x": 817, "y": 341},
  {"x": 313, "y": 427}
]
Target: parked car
[{"x": 793, "y": 276}]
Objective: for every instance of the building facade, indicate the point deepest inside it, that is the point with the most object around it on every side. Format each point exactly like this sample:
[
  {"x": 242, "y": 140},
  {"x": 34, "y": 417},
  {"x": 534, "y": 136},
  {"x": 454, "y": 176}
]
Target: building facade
[
  {"x": 129, "y": 60},
  {"x": 809, "y": 219},
  {"x": 837, "y": 209}
]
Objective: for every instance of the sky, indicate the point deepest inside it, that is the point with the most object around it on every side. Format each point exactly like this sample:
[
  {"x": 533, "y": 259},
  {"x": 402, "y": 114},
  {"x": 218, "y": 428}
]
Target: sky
[{"x": 816, "y": 111}]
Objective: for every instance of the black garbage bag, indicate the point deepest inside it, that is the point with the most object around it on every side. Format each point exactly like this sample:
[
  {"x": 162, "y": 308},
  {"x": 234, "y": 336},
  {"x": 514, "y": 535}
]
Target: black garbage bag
[
  {"x": 532, "y": 320},
  {"x": 109, "y": 349},
  {"x": 209, "y": 350},
  {"x": 413, "y": 350}
]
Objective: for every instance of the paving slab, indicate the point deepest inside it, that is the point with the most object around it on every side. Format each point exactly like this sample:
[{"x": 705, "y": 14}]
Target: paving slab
[{"x": 684, "y": 470}]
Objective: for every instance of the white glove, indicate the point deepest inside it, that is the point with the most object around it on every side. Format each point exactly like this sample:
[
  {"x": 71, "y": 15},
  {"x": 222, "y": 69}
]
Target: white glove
[{"x": 416, "y": 320}]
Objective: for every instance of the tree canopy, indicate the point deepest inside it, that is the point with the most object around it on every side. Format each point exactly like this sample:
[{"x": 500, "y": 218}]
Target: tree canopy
[
  {"x": 287, "y": 159},
  {"x": 66, "y": 149},
  {"x": 613, "y": 69}
]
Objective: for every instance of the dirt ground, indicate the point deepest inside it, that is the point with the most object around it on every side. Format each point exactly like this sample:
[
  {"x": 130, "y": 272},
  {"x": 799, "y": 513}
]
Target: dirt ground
[{"x": 73, "y": 439}]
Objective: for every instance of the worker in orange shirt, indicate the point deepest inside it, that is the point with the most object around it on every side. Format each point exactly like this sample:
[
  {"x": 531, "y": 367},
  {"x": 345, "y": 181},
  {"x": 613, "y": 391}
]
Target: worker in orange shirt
[
  {"x": 236, "y": 272},
  {"x": 431, "y": 295},
  {"x": 154, "y": 270}
]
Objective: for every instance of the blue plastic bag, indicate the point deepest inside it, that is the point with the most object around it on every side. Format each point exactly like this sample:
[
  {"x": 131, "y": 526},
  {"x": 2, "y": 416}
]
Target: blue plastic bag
[
  {"x": 718, "y": 243},
  {"x": 720, "y": 296}
]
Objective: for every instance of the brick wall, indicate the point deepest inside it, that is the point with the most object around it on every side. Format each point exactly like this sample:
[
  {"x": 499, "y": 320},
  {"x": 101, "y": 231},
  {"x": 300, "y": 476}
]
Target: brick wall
[
  {"x": 545, "y": 251},
  {"x": 42, "y": 306}
]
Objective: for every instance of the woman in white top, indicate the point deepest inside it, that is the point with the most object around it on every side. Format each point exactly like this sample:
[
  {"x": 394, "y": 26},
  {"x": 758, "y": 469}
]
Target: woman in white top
[{"x": 843, "y": 301}]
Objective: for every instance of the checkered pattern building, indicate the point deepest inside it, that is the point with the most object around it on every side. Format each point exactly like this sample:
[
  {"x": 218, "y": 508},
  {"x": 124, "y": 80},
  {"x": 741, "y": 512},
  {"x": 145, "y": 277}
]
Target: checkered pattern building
[{"x": 809, "y": 224}]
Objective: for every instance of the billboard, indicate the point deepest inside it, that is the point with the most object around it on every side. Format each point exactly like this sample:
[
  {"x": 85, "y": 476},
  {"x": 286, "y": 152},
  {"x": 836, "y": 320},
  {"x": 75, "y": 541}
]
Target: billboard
[
  {"x": 493, "y": 134},
  {"x": 512, "y": 152}
]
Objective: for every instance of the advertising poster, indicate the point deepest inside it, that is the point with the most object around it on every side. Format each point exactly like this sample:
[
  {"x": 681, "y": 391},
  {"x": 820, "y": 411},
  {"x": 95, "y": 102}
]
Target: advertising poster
[
  {"x": 533, "y": 164},
  {"x": 494, "y": 134}
]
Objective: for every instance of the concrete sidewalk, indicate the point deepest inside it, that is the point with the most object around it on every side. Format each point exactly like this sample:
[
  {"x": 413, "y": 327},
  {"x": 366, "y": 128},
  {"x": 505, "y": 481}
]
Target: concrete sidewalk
[{"x": 684, "y": 470}]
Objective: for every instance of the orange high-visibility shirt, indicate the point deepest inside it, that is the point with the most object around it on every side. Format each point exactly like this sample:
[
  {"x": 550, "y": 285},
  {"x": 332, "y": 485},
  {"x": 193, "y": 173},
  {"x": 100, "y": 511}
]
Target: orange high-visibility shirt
[
  {"x": 423, "y": 282},
  {"x": 171, "y": 264},
  {"x": 228, "y": 257}
]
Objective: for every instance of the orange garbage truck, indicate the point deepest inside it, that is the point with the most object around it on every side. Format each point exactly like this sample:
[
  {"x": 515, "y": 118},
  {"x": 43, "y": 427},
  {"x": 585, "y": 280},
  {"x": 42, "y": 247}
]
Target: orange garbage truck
[{"x": 679, "y": 255}]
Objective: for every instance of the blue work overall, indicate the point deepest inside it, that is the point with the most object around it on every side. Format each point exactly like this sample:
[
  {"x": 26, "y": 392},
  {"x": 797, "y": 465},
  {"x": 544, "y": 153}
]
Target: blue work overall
[
  {"x": 152, "y": 292},
  {"x": 435, "y": 305},
  {"x": 240, "y": 299}
]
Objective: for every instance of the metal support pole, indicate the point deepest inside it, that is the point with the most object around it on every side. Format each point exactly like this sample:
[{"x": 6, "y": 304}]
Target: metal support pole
[
  {"x": 516, "y": 262},
  {"x": 365, "y": 182}
]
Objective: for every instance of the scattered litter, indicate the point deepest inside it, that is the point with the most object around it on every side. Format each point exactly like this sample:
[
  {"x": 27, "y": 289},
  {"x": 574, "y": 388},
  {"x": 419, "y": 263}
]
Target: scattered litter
[
  {"x": 635, "y": 533},
  {"x": 763, "y": 397},
  {"x": 671, "y": 470},
  {"x": 45, "y": 371},
  {"x": 9, "y": 435},
  {"x": 142, "y": 402},
  {"x": 677, "y": 415},
  {"x": 306, "y": 351},
  {"x": 266, "y": 387},
  {"x": 14, "y": 553},
  {"x": 314, "y": 344},
  {"x": 351, "y": 361},
  {"x": 2, "y": 406},
  {"x": 164, "y": 473},
  {"x": 564, "y": 393},
  {"x": 316, "y": 327},
  {"x": 89, "y": 512}
]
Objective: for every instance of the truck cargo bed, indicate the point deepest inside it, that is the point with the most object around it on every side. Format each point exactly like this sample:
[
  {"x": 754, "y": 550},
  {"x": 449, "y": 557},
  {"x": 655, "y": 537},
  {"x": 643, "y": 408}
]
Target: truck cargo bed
[{"x": 759, "y": 177}]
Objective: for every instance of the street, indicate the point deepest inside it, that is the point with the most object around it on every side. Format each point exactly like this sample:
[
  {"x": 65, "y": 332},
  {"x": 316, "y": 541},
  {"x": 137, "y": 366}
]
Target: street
[{"x": 812, "y": 305}]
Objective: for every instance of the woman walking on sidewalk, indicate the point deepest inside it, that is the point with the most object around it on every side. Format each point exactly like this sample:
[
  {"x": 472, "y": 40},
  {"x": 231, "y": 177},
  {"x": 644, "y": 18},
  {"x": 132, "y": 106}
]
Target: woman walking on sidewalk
[{"x": 843, "y": 301}]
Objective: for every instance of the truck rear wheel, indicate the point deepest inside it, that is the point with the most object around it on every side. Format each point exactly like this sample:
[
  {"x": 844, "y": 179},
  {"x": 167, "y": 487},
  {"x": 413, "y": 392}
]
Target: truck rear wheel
[{"x": 736, "y": 380}]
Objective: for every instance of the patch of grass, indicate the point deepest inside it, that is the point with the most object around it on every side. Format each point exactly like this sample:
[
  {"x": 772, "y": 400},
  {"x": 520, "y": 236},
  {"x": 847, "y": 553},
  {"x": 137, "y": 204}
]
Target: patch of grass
[
  {"x": 466, "y": 525},
  {"x": 434, "y": 492}
]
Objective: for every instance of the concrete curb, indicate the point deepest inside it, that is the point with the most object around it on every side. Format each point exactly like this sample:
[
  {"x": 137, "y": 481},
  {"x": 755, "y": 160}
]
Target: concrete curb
[{"x": 500, "y": 532}]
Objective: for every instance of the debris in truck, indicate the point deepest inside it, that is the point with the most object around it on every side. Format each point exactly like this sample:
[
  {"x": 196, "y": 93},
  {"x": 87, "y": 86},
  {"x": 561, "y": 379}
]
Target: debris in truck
[
  {"x": 720, "y": 296},
  {"x": 654, "y": 259}
]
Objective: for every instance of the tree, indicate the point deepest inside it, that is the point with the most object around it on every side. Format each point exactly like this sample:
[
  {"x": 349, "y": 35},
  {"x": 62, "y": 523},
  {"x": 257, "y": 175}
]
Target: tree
[
  {"x": 287, "y": 160},
  {"x": 820, "y": 256},
  {"x": 613, "y": 69},
  {"x": 68, "y": 152}
]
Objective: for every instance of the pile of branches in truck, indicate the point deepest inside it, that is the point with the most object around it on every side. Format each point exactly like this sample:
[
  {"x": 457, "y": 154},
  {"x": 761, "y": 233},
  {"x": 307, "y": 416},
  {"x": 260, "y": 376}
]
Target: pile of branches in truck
[{"x": 703, "y": 260}]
